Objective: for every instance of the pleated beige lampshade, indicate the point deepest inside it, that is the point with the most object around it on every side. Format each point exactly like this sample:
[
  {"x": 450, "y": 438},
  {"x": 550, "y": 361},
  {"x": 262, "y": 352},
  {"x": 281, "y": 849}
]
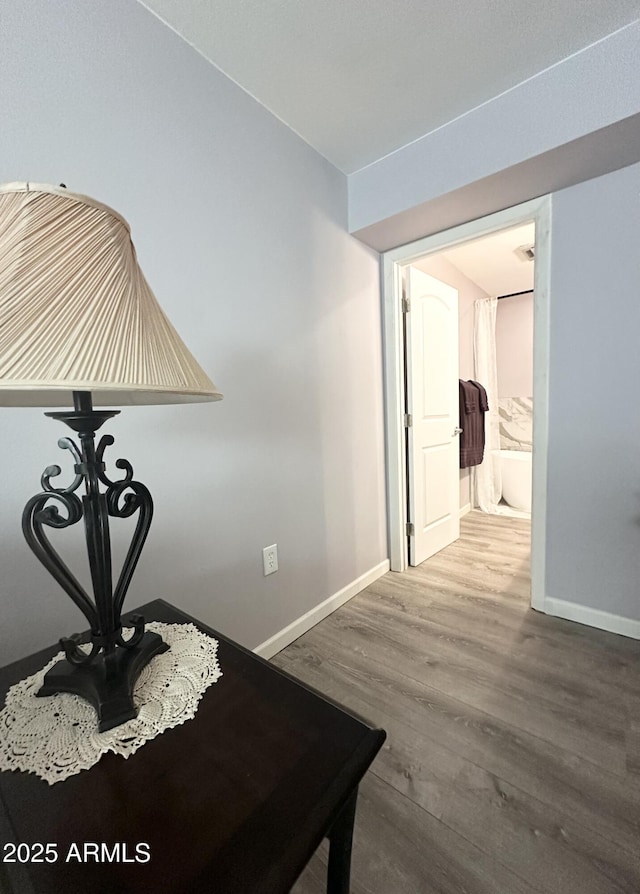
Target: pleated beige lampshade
[{"x": 76, "y": 313}]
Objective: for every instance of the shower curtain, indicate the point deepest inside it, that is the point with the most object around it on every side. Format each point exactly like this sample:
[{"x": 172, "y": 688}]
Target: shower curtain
[{"x": 486, "y": 479}]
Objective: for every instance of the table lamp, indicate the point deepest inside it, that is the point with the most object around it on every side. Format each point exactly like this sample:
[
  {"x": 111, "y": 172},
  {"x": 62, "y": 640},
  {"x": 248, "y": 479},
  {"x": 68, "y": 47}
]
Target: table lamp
[{"x": 80, "y": 327}]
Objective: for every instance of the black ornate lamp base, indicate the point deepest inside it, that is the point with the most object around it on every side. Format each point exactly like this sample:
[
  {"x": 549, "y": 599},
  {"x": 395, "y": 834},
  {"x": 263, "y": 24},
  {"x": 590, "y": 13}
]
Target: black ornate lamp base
[
  {"x": 104, "y": 675},
  {"x": 107, "y": 682}
]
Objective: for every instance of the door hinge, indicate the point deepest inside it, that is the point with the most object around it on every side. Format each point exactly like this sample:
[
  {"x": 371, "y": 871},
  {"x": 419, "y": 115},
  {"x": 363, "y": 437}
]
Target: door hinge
[
  {"x": 408, "y": 420},
  {"x": 406, "y": 305},
  {"x": 410, "y": 529}
]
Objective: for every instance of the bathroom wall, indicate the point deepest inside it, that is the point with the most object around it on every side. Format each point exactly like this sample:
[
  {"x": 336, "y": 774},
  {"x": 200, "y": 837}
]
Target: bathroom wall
[
  {"x": 514, "y": 356},
  {"x": 514, "y": 345},
  {"x": 468, "y": 292}
]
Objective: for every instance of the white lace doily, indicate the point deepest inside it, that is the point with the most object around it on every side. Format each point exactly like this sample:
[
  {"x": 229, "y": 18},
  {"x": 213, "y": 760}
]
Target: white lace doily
[{"x": 57, "y": 736}]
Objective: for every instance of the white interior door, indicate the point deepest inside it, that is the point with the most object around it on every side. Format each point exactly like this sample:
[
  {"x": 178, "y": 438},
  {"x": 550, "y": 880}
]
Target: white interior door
[{"x": 432, "y": 402}]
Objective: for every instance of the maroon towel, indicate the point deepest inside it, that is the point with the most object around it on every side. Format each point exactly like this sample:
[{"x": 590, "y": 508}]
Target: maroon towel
[
  {"x": 484, "y": 403},
  {"x": 469, "y": 398},
  {"x": 473, "y": 405}
]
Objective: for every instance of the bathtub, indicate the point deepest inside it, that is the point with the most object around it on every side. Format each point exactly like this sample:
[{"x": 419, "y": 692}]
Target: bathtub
[{"x": 515, "y": 467}]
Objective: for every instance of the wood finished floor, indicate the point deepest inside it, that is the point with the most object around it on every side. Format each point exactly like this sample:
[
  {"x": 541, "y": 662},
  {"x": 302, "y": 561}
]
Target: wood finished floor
[{"x": 512, "y": 763}]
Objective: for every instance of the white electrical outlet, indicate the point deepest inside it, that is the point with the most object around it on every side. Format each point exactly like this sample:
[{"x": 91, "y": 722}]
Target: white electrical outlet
[{"x": 270, "y": 559}]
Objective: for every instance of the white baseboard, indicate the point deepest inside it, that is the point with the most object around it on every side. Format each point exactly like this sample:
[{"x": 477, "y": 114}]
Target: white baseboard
[
  {"x": 291, "y": 632},
  {"x": 465, "y": 509},
  {"x": 592, "y": 617}
]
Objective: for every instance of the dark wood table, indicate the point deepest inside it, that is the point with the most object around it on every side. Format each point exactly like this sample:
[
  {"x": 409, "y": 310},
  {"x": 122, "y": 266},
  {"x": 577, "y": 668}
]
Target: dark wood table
[{"x": 235, "y": 800}]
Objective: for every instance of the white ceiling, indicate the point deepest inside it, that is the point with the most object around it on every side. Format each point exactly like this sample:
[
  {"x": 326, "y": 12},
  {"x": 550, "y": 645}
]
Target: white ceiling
[
  {"x": 492, "y": 263},
  {"x": 358, "y": 79}
]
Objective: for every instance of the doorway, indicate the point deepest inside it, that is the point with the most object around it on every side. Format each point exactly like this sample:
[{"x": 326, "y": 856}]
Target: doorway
[{"x": 395, "y": 266}]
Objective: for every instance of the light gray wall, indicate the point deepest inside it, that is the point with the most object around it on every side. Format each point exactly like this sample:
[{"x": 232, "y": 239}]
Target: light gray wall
[
  {"x": 241, "y": 230},
  {"x": 468, "y": 292},
  {"x": 577, "y": 119},
  {"x": 514, "y": 346},
  {"x": 593, "y": 504}
]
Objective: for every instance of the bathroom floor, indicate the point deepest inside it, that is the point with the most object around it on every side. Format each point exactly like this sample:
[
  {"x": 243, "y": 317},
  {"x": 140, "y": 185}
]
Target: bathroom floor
[
  {"x": 505, "y": 509},
  {"x": 512, "y": 763}
]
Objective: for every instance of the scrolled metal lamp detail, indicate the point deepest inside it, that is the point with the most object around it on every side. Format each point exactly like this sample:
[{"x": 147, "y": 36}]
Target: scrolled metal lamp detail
[{"x": 106, "y": 674}]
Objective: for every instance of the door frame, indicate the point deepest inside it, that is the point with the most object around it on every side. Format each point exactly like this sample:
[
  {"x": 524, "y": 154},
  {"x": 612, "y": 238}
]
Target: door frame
[{"x": 393, "y": 264}]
